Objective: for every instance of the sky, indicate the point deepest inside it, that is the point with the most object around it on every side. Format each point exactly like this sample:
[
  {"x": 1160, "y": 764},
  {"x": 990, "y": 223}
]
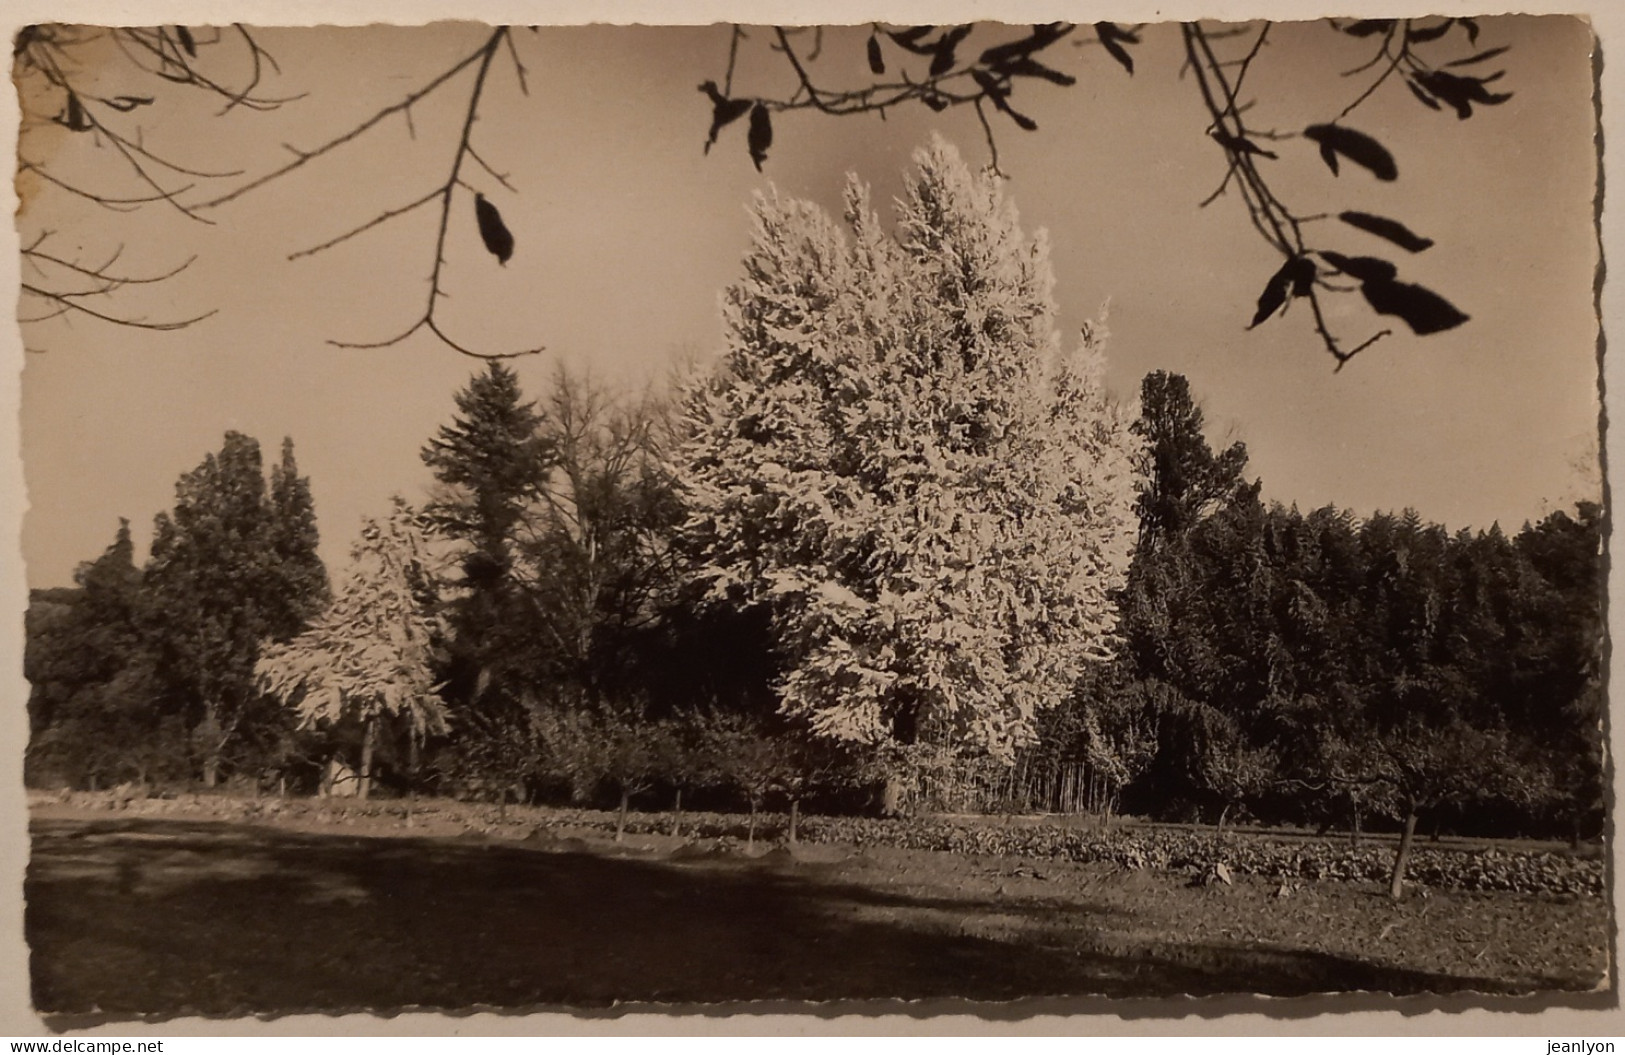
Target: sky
[{"x": 626, "y": 233}]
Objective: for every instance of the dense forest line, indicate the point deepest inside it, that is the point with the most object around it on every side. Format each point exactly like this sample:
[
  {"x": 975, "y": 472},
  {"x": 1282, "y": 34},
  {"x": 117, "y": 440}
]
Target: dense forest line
[{"x": 894, "y": 550}]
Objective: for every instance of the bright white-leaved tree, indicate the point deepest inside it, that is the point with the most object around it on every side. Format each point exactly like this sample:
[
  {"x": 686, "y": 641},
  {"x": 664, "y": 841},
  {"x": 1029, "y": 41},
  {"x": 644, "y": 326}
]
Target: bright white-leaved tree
[
  {"x": 369, "y": 659},
  {"x": 896, "y": 455}
]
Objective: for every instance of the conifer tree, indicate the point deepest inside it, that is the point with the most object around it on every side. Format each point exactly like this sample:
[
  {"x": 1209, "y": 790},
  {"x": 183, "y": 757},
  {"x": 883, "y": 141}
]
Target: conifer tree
[
  {"x": 294, "y": 540},
  {"x": 491, "y": 464}
]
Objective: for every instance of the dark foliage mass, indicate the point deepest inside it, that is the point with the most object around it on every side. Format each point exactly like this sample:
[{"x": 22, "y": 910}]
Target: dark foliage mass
[
  {"x": 1305, "y": 668},
  {"x": 146, "y": 674},
  {"x": 1312, "y": 667}
]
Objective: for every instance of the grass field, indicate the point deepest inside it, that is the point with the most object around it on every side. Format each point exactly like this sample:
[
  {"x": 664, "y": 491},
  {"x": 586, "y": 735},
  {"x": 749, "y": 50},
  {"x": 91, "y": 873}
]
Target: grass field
[{"x": 132, "y": 915}]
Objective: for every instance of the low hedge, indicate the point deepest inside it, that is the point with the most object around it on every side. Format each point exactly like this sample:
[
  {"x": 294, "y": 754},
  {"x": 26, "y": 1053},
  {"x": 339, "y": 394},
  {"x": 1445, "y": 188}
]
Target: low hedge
[
  {"x": 1489, "y": 869},
  {"x": 1485, "y": 869}
]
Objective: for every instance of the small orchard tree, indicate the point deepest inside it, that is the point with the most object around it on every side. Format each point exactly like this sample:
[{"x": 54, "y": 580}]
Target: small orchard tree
[
  {"x": 370, "y": 658},
  {"x": 592, "y": 746},
  {"x": 894, "y": 454},
  {"x": 745, "y": 757},
  {"x": 1424, "y": 767},
  {"x": 811, "y": 764},
  {"x": 495, "y": 753}
]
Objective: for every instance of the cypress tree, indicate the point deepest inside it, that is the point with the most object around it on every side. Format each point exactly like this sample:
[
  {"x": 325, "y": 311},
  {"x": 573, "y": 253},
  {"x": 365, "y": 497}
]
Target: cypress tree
[{"x": 294, "y": 538}]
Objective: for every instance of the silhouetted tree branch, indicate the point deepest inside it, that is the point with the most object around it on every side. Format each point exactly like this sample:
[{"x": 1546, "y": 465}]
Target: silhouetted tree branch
[
  {"x": 57, "y": 86},
  {"x": 983, "y": 66},
  {"x": 989, "y": 80}
]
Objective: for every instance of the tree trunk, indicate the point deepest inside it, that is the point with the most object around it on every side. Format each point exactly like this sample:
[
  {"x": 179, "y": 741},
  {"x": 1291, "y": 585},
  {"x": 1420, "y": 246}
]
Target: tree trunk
[
  {"x": 677, "y": 815},
  {"x": 282, "y": 786},
  {"x": 369, "y": 737},
  {"x": 795, "y": 815},
  {"x": 1354, "y": 825},
  {"x": 212, "y": 739},
  {"x": 1396, "y": 886},
  {"x": 891, "y": 798},
  {"x": 620, "y": 818},
  {"x": 750, "y": 832},
  {"x": 1223, "y": 813}
]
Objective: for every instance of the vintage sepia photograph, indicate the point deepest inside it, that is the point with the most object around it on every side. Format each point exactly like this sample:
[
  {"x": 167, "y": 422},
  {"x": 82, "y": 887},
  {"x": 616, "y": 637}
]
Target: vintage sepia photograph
[{"x": 560, "y": 518}]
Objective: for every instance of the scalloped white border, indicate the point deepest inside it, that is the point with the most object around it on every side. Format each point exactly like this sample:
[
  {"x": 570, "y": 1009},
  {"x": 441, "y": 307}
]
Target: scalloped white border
[{"x": 17, "y": 1017}]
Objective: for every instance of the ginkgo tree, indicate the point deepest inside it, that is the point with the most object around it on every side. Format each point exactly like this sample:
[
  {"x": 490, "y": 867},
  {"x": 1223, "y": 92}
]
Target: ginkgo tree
[
  {"x": 895, "y": 455},
  {"x": 370, "y": 658}
]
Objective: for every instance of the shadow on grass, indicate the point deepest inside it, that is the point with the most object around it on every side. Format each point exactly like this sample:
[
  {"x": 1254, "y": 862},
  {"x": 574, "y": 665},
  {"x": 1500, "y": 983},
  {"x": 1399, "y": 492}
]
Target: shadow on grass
[{"x": 161, "y": 917}]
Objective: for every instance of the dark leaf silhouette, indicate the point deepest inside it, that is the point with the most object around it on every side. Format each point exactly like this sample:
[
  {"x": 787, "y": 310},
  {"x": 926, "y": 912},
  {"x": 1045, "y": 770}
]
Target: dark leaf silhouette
[
  {"x": 1368, "y": 26},
  {"x": 125, "y": 103},
  {"x": 1461, "y": 92},
  {"x": 1483, "y": 56},
  {"x": 934, "y": 101},
  {"x": 989, "y": 84},
  {"x": 761, "y": 134},
  {"x": 1427, "y": 100},
  {"x": 1423, "y": 310},
  {"x": 999, "y": 94},
  {"x": 184, "y": 35},
  {"x": 1356, "y": 146},
  {"x": 909, "y": 39},
  {"x": 942, "y": 53},
  {"x": 1364, "y": 268},
  {"x": 1040, "y": 38},
  {"x": 724, "y": 111},
  {"x": 1112, "y": 39},
  {"x": 1239, "y": 144},
  {"x": 493, "y": 232},
  {"x": 1295, "y": 277},
  {"x": 1427, "y": 33},
  {"x": 1303, "y": 276},
  {"x": 1392, "y": 230},
  {"x": 1472, "y": 29},
  {"x": 1329, "y": 156},
  {"x": 1273, "y": 298},
  {"x": 1034, "y": 68},
  {"x": 877, "y": 62}
]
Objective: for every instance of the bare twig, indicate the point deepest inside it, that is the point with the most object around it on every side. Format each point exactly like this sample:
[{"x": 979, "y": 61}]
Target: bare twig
[
  {"x": 446, "y": 192},
  {"x": 381, "y": 218},
  {"x": 302, "y": 158}
]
